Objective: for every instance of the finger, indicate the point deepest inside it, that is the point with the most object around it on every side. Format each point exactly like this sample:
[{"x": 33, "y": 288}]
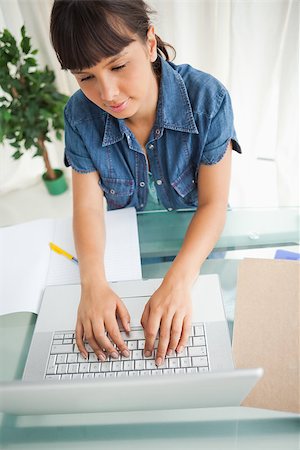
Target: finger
[
  {"x": 103, "y": 341},
  {"x": 176, "y": 332},
  {"x": 151, "y": 328},
  {"x": 145, "y": 315},
  {"x": 164, "y": 339},
  {"x": 186, "y": 329},
  {"x": 89, "y": 335},
  {"x": 115, "y": 335},
  {"x": 79, "y": 331},
  {"x": 124, "y": 316}
]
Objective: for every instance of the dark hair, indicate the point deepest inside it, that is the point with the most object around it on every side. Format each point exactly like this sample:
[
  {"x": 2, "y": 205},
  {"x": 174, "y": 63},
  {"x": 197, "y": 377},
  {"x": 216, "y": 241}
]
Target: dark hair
[{"x": 85, "y": 31}]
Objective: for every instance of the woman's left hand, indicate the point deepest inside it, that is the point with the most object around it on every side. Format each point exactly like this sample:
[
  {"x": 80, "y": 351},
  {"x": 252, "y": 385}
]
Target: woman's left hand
[{"x": 169, "y": 312}]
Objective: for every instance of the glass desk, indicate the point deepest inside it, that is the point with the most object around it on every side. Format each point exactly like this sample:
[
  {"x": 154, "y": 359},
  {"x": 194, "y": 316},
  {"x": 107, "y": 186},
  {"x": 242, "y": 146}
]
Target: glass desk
[{"x": 161, "y": 234}]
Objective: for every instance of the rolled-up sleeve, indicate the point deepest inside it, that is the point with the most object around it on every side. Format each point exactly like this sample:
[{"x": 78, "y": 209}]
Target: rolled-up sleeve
[
  {"x": 76, "y": 153},
  {"x": 220, "y": 132}
]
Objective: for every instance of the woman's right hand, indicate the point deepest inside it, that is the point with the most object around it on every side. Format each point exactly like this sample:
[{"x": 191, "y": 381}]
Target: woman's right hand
[{"x": 97, "y": 313}]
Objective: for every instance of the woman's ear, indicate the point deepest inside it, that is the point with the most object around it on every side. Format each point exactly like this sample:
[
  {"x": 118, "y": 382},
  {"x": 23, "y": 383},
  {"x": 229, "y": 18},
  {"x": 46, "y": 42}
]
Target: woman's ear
[{"x": 151, "y": 43}]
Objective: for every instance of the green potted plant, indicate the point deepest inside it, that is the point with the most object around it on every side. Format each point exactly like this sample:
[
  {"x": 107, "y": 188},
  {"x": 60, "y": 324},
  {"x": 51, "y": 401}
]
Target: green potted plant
[{"x": 30, "y": 105}]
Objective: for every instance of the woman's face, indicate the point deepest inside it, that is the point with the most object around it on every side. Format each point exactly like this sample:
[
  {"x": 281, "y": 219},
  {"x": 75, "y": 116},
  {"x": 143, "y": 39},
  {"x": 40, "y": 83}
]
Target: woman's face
[{"x": 123, "y": 85}]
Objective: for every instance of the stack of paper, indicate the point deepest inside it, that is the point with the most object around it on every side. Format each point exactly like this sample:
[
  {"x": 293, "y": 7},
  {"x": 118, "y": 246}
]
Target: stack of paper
[{"x": 27, "y": 264}]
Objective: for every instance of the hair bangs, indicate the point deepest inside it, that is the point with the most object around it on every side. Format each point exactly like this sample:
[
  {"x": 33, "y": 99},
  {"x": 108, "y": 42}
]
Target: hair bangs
[{"x": 85, "y": 38}]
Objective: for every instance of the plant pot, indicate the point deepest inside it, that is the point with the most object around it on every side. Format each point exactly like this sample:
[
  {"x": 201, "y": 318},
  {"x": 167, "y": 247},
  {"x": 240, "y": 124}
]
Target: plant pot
[{"x": 57, "y": 186}]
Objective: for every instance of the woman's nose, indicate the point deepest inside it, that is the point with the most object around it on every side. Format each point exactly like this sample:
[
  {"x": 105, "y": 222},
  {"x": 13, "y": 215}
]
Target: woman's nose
[{"x": 108, "y": 90}]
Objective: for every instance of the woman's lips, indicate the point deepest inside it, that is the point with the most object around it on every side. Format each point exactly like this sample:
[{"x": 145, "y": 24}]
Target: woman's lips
[{"x": 118, "y": 107}]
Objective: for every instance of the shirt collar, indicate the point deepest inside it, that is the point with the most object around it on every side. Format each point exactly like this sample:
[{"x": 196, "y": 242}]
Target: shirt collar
[{"x": 174, "y": 109}]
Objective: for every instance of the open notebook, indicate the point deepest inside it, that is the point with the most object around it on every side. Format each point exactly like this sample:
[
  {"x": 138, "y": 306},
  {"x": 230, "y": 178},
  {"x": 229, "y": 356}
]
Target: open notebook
[{"x": 27, "y": 264}]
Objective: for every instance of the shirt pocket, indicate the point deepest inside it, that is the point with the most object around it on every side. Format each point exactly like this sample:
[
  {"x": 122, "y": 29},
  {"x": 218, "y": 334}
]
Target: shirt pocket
[
  {"x": 186, "y": 187},
  {"x": 118, "y": 192}
]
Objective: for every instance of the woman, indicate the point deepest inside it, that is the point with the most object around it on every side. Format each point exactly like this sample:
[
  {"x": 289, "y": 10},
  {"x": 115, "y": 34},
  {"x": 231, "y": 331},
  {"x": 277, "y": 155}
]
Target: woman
[{"x": 139, "y": 121}]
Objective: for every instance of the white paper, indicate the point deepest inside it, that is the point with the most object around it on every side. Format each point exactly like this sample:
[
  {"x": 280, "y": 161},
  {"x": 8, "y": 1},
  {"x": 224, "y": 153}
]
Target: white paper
[
  {"x": 27, "y": 264},
  {"x": 24, "y": 259}
]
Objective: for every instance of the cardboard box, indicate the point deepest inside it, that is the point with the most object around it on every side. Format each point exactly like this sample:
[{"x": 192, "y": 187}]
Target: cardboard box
[{"x": 266, "y": 331}]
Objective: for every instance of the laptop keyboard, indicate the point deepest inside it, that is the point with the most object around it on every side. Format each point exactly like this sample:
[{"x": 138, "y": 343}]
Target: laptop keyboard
[{"x": 66, "y": 363}]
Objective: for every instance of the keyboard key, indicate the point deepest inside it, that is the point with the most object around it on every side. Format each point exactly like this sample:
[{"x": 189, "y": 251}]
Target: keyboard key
[
  {"x": 132, "y": 345},
  {"x": 52, "y": 377},
  {"x": 122, "y": 374},
  {"x": 128, "y": 365},
  {"x": 173, "y": 363},
  {"x": 141, "y": 345},
  {"x": 58, "y": 336},
  {"x": 84, "y": 367},
  {"x": 180, "y": 370},
  {"x": 202, "y": 369},
  {"x": 134, "y": 335},
  {"x": 145, "y": 372},
  {"x": 117, "y": 366},
  {"x": 185, "y": 362},
  {"x": 156, "y": 372},
  {"x": 198, "y": 361},
  {"x": 199, "y": 330},
  {"x": 88, "y": 375},
  {"x": 81, "y": 359},
  {"x": 133, "y": 373},
  {"x": 61, "y": 359},
  {"x": 57, "y": 341},
  {"x": 100, "y": 375},
  {"x": 76, "y": 376},
  {"x": 67, "y": 348},
  {"x": 72, "y": 358},
  {"x": 73, "y": 368},
  {"x": 192, "y": 370},
  {"x": 66, "y": 376},
  {"x": 52, "y": 360},
  {"x": 105, "y": 366},
  {"x": 92, "y": 357},
  {"x": 110, "y": 375},
  {"x": 137, "y": 354},
  {"x": 69, "y": 335},
  {"x": 95, "y": 367},
  {"x": 199, "y": 340},
  {"x": 139, "y": 364},
  {"x": 197, "y": 351},
  {"x": 168, "y": 371},
  {"x": 150, "y": 364},
  {"x": 51, "y": 370},
  {"x": 68, "y": 341},
  {"x": 62, "y": 368}
]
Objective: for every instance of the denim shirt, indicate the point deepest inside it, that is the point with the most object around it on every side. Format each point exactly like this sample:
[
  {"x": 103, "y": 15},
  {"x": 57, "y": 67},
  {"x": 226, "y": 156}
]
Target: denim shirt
[{"x": 193, "y": 126}]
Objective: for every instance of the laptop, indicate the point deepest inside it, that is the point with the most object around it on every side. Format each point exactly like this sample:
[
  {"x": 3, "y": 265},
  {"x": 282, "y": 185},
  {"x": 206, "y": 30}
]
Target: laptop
[{"x": 57, "y": 379}]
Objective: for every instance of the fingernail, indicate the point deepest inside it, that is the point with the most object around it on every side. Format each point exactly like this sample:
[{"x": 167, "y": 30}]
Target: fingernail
[
  {"x": 114, "y": 355},
  {"x": 170, "y": 352},
  {"x": 180, "y": 349},
  {"x": 125, "y": 353},
  {"x": 158, "y": 362},
  {"x": 102, "y": 357},
  {"x": 128, "y": 327},
  {"x": 83, "y": 355},
  {"x": 147, "y": 353}
]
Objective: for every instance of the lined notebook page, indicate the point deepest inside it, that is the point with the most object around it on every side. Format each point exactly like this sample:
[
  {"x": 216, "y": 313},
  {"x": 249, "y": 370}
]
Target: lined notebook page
[{"x": 122, "y": 252}]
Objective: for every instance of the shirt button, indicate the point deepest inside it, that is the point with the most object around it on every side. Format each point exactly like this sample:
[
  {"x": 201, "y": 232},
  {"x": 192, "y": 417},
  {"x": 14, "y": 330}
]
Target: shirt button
[
  {"x": 159, "y": 182},
  {"x": 142, "y": 184},
  {"x": 151, "y": 146},
  {"x": 142, "y": 205},
  {"x": 112, "y": 191},
  {"x": 157, "y": 131}
]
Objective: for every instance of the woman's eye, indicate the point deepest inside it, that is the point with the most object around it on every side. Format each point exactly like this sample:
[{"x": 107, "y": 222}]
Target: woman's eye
[
  {"x": 86, "y": 78},
  {"x": 119, "y": 67}
]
